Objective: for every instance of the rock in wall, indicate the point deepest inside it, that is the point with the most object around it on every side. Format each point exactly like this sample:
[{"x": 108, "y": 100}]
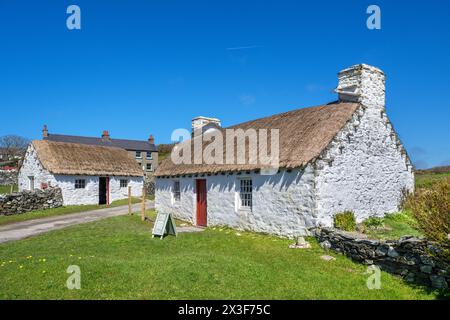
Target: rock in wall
[
  {"x": 408, "y": 257},
  {"x": 25, "y": 201}
]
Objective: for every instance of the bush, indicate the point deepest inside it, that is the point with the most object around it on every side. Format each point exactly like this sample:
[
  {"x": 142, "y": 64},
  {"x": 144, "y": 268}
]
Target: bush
[
  {"x": 374, "y": 222},
  {"x": 431, "y": 210},
  {"x": 345, "y": 221}
]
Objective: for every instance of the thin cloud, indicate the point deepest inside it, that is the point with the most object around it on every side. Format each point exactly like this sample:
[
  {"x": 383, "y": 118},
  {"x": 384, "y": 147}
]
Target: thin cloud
[
  {"x": 247, "y": 99},
  {"x": 243, "y": 48}
]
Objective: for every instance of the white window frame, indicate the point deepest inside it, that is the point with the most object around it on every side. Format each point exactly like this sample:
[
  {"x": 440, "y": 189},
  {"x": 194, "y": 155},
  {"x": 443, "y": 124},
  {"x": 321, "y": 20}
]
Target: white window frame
[
  {"x": 245, "y": 193},
  {"x": 122, "y": 180},
  {"x": 80, "y": 184},
  {"x": 176, "y": 194},
  {"x": 140, "y": 154},
  {"x": 151, "y": 166},
  {"x": 149, "y": 155}
]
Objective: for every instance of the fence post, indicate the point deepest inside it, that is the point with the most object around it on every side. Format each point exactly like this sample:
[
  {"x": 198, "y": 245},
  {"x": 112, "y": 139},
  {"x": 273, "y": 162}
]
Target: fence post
[
  {"x": 143, "y": 204},
  {"x": 129, "y": 199}
]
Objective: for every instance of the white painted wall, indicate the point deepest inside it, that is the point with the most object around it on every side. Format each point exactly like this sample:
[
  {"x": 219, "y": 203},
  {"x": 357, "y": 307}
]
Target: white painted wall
[
  {"x": 365, "y": 168},
  {"x": 283, "y": 204},
  {"x": 31, "y": 166},
  {"x": 364, "y": 171},
  {"x": 71, "y": 196}
]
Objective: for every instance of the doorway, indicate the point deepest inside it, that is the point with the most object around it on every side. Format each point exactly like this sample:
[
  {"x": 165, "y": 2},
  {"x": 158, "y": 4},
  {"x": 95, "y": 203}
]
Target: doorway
[
  {"x": 201, "y": 203},
  {"x": 103, "y": 190}
]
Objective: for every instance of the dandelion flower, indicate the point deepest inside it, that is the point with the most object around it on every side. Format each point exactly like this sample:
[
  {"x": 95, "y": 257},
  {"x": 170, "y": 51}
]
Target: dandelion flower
[{"x": 20, "y": 267}]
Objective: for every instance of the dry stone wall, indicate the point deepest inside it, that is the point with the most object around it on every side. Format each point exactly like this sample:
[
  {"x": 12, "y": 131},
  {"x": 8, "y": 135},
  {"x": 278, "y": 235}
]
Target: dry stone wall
[
  {"x": 408, "y": 257},
  {"x": 21, "y": 202}
]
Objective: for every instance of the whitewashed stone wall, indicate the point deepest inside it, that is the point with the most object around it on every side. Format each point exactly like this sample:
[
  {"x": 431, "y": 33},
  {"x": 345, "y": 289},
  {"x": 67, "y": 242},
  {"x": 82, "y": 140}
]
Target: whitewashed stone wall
[
  {"x": 283, "y": 204},
  {"x": 72, "y": 196},
  {"x": 365, "y": 169},
  {"x": 117, "y": 193},
  {"x": 31, "y": 166}
]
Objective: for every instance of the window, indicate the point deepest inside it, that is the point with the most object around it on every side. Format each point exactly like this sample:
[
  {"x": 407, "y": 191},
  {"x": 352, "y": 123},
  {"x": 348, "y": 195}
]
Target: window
[
  {"x": 149, "y": 167},
  {"x": 176, "y": 190},
  {"x": 138, "y": 154},
  {"x": 80, "y": 183},
  {"x": 123, "y": 183},
  {"x": 149, "y": 156},
  {"x": 245, "y": 193}
]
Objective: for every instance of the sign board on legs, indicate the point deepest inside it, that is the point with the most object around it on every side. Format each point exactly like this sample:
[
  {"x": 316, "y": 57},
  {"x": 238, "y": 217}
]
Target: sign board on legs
[{"x": 164, "y": 224}]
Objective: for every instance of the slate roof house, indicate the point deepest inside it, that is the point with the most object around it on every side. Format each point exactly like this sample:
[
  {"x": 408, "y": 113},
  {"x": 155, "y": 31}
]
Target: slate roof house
[
  {"x": 145, "y": 152},
  {"x": 86, "y": 174},
  {"x": 340, "y": 156}
]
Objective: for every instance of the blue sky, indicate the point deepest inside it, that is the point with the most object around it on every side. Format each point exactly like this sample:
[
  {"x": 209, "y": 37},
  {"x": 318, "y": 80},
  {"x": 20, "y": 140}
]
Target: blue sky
[{"x": 141, "y": 67}]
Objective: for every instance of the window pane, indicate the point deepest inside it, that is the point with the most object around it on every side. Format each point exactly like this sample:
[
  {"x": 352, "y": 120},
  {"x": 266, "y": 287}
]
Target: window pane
[
  {"x": 176, "y": 190},
  {"x": 245, "y": 193}
]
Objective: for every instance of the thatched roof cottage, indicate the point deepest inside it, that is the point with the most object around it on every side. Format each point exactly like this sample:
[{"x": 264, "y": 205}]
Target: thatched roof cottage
[
  {"x": 86, "y": 174},
  {"x": 331, "y": 158}
]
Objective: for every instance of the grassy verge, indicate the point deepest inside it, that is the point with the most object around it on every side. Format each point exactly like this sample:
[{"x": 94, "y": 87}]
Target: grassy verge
[
  {"x": 393, "y": 227},
  {"x": 60, "y": 211},
  {"x": 7, "y": 189},
  {"x": 118, "y": 259}
]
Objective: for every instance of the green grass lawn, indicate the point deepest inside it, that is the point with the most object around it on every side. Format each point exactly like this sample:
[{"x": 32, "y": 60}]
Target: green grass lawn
[
  {"x": 426, "y": 180},
  {"x": 60, "y": 211},
  {"x": 119, "y": 260},
  {"x": 7, "y": 189}
]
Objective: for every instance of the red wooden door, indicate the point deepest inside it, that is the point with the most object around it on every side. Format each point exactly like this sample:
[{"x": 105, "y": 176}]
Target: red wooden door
[{"x": 201, "y": 202}]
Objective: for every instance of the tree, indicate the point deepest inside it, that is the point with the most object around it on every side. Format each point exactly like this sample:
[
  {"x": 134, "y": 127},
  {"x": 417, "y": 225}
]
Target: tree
[{"x": 13, "y": 147}]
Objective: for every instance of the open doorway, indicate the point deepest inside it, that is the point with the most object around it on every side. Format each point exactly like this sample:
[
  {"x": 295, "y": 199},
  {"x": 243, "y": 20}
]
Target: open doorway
[{"x": 103, "y": 190}]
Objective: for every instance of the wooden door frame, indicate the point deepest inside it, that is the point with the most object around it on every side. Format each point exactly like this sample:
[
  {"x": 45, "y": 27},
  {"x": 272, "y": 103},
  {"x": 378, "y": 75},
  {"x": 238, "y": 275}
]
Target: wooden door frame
[{"x": 196, "y": 203}]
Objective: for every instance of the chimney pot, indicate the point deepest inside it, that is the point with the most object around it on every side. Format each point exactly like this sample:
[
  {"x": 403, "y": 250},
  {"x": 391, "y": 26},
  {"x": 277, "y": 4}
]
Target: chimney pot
[
  {"x": 45, "y": 132},
  {"x": 151, "y": 139},
  {"x": 105, "y": 135},
  {"x": 202, "y": 124}
]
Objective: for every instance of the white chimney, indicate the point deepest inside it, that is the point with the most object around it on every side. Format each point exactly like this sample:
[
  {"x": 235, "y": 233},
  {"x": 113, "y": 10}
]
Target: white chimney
[
  {"x": 203, "y": 124},
  {"x": 363, "y": 84}
]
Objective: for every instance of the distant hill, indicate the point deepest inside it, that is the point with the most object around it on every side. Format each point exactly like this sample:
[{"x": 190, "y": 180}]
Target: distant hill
[
  {"x": 443, "y": 169},
  {"x": 164, "y": 151}
]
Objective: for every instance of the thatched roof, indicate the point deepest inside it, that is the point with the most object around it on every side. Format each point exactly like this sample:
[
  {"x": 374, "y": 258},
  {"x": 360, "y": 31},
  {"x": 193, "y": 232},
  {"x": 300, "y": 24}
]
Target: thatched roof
[
  {"x": 303, "y": 135},
  {"x": 81, "y": 159}
]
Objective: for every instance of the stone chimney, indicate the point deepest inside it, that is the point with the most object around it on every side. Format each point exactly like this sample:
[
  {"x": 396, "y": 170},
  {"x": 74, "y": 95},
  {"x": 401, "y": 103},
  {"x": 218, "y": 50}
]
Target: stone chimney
[
  {"x": 151, "y": 139},
  {"x": 203, "y": 124},
  {"x": 363, "y": 84},
  {"x": 105, "y": 135},
  {"x": 44, "y": 132}
]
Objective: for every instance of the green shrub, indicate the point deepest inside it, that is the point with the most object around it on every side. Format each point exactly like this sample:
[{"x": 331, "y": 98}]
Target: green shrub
[
  {"x": 431, "y": 209},
  {"x": 374, "y": 222},
  {"x": 345, "y": 221}
]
